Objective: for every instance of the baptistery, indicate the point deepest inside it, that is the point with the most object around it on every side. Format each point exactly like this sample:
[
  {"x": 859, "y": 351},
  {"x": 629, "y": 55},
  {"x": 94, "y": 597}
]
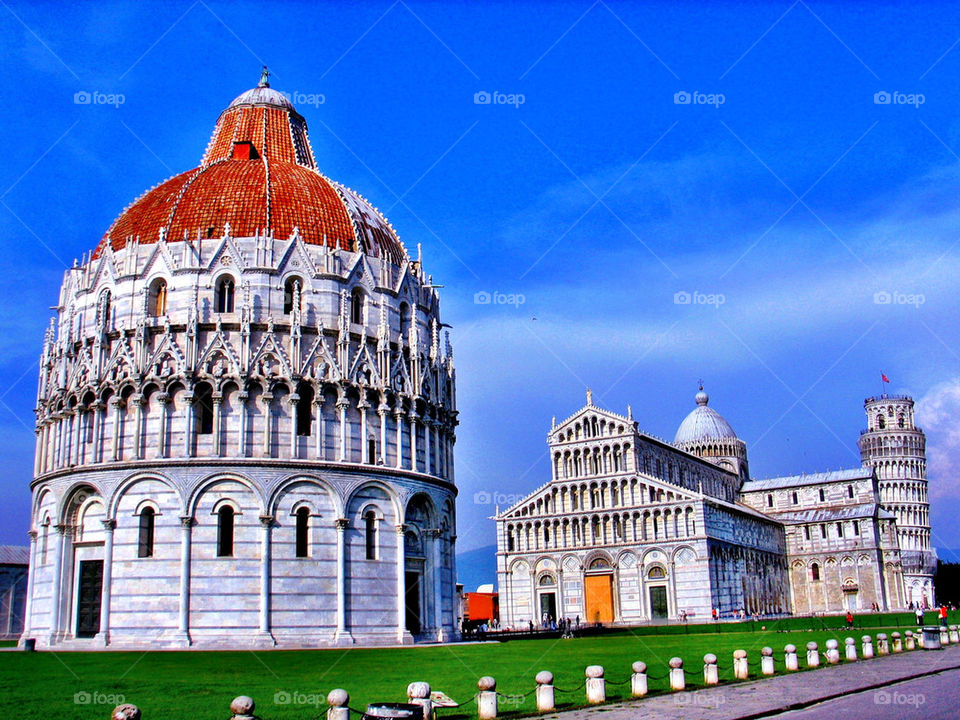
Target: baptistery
[{"x": 246, "y": 416}]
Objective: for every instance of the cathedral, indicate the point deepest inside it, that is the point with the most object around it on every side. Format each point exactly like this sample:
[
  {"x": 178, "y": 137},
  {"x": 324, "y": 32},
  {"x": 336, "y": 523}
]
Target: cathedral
[
  {"x": 246, "y": 416},
  {"x": 632, "y": 528}
]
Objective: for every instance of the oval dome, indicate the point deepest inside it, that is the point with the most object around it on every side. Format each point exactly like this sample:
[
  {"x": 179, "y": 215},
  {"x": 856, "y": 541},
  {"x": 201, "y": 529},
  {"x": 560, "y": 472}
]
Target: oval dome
[
  {"x": 258, "y": 176},
  {"x": 703, "y": 423}
]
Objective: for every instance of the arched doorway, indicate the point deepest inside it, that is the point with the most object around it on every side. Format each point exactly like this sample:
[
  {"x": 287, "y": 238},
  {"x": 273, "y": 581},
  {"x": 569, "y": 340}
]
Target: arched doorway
[
  {"x": 547, "y": 594},
  {"x": 657, "y": 593},
  {"x": 598, "y": 589}
]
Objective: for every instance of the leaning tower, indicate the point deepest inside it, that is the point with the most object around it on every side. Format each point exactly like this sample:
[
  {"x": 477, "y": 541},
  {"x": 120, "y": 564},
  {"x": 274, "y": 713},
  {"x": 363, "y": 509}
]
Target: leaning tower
[{"x": 895, "y": 447}]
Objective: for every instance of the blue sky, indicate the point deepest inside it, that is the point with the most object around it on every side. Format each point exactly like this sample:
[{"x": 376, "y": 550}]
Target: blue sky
[{"x": 782, "y": 199}]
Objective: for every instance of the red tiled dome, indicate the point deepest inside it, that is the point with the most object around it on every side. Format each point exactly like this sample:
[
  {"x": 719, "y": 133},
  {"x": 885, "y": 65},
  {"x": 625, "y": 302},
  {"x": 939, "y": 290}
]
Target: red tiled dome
[{"x": 259, "y": 175}]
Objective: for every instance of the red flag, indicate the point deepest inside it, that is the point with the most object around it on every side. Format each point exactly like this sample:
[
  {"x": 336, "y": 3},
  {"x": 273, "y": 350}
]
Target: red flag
[{"x": 884, "y": 378}]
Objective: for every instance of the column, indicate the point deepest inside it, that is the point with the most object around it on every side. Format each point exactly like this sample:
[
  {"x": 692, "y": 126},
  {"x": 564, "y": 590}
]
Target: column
[
  {"x": 427, "y": 455},
  {"x": 57, "y": 601},
  {"x": 31, "y": 572},
  {"x": 383, "y": 411},
  {"x": 320, "y": 427},
  {"x": 401, "y": 584},
  {"x": 186, "y": 525},
  {"x": 138, "y": 426},
  {"x": 438, "y": 586},
  {"x": 164, "y": 401},
  {"x": 342, "y": 405},
  {"x": 414, "y": 465},
  {"x": 398, "y": 419},
  {"x": 294, "y": 404},
  {"x": 362, "y": 406},
  {"x": 217, "y": 415},
  {"x": 266, "y": 525},
  {"x": 242, "y": 398},
  {"x": 116, "y": 403},
  {"x": 188, "y": 421},
  {"x": 108, "y": 528},
  {"x": 268, "y": 425},
  {"x": 38, "y": 459},
  {"x": 342, "y": 636},
  {"x": 76, "y": 422}
]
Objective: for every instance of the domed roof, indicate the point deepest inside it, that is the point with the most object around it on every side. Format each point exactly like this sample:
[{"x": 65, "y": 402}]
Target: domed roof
[
  {"x": 703, "y": 423},
  {"x": 259, "y": 176}
]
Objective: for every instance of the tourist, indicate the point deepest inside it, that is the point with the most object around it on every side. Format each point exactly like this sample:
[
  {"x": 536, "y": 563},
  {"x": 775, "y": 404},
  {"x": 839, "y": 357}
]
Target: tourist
[
  {"x": 849, "y": 619},
  {"x": 716, "y": 614},
  {"x": 943, "y": 616},
  {"x": 919, "y": 614}
]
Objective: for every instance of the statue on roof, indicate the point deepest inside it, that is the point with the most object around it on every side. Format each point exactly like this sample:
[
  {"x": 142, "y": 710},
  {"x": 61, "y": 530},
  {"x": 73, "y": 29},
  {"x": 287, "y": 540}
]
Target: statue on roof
[{"x": 264, "y": 78}]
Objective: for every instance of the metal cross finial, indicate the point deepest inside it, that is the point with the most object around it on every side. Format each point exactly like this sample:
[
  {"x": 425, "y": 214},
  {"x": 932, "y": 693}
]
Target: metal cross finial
[
  {"x": 264, "y": 77},
  {"x": 700, "y": 383}
]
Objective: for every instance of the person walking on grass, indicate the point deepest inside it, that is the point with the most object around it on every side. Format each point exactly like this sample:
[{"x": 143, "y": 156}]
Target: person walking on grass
[
  {"x": 919, "y": 614},
  {"x": 849, "y": 619},
  {"x": 943, "y": 616}
]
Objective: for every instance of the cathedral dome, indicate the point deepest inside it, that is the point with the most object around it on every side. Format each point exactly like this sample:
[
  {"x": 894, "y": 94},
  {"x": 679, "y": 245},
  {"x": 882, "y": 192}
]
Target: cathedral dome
[
  {"x": 703, "y": 423},
  {"x": 257, "y": 177}
]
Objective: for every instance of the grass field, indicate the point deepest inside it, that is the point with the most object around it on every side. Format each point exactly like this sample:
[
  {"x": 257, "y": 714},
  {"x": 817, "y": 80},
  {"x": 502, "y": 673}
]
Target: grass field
[{"x": 294, "y": 684}]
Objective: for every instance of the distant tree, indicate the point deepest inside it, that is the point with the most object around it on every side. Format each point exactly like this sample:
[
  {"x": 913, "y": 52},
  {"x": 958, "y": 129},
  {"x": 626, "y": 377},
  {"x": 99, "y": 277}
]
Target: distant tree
[{"x": 948, "y": 583}]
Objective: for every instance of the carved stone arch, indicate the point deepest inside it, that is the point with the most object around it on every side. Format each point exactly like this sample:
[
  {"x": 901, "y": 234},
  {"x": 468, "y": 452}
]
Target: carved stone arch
[
  {"x": 596, "y": 555},
  {"x": 571, "y": 563},
  {"x": 74, "y": 496},
  {"x": 684, "y": 555},
  {"x": 393, "y": 498},
  {"x": 213, "y": 479},
  {"x": 278, "y": 491},
  {"x": 124, "y": 486},
  {"x": 42, "y": 492}
]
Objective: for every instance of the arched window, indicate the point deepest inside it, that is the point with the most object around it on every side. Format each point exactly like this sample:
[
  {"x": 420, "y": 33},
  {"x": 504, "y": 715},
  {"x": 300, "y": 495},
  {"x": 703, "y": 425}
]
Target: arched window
[
  {"x": 404, "y": 320},
  {"x": 657, "y": 573},
  {"x": 371, "y": 451},
  {"x": 225, "y": 518},
  {"x": 203, "y": 407},
  {"x": 815, "y": 572},
  {"x": 292, "y": 290},
  {"x": 305, "y": 409},
  {"x": 158, "y": 298},
  {"x": 303, "y": 532},
  {"x": 356, "y": 306},
  {"x": 103, "y": 309},
  {"x": 223, "y": 300},
  {"x": 370, "y": 534},
  {"x": 881, "y": 422},
  {"x": 147, "y": 521}
]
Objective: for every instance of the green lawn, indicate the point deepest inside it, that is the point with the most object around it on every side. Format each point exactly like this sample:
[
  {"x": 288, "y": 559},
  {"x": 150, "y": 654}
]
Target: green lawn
[{"x": 200, "y": 685}]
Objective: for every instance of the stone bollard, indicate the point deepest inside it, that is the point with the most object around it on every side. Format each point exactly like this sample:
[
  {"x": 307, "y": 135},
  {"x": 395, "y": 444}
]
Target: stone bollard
[
  {"x": 338, "y": 700},
  {"x": 766, "y": 661},
  {"x": 883, "y": 646},
  {"x": 418, "y": 693},
  {"x": 813, "y": 655},
  {"x": 596, "y": 685},
  {"x": 638, "y": 681},
  {"x": 896, "y": 644},
  {"x": 833, "y": 653},
  {"x": 677, "y": 680},
  {"x": 790, "y": 661},
  {"x": 125, "y": 712},
  {"x": 909, "y": 641},
  {"x": 850, "y": 649},
  {"x": 545, "y": 691},
  {"x": 487, "y": 698},
  {"x": 931, "y": 638},
  {"x": 710, "y": 674},
  {"x": 954, "y": 634},
  {"x": 867, "y": 647},
  {"x": 944, "y": 636},
  {"x": 741, "y": 671},
  {"x": 242, "y": 708}
]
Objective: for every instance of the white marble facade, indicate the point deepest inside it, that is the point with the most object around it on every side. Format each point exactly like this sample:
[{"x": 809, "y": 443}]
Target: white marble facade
[{"x": 270, "y": 468}]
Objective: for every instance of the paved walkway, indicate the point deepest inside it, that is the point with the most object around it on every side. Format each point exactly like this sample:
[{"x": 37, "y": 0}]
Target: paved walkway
[{"x": 770, "y": 696}]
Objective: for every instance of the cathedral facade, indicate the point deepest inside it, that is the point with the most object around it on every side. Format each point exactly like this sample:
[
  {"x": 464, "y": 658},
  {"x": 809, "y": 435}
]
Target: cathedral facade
[
  {"x": 631, "y": 528},
  {"x": 246, "y": 416}
]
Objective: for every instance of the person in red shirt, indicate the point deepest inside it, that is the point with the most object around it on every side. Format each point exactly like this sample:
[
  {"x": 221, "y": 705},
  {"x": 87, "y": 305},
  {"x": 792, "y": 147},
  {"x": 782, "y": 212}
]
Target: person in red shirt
[
  {"x": 849, "y": 619},
  {"x": 943, "y": 615}
]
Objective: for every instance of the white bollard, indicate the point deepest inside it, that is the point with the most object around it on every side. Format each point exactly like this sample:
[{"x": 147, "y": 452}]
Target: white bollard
[
  {"x": 545, "y": 691},
  {"x": 883, "y": 646},
  {"x": 851, "y": 649},
  {"x": 338, "y": 700},
  {"x": 832, "y": 653},
  {"x": 867, "y": 647},
  {"x": 954, "y": 634},
  {"x": 487, "y": 698},
  {"x": 790, "y": 661},
  {"x": 677, "y": 680},
  {"x": 242, "y": 708},
  {"x": 596, "y": 685},
  {"x": 896, "y": 644},
  {"x": 125, "y": 712},
  {"x": 710, "y": 674},
  {"x": 418, "y": 693},
  {"x": 766, "y": 661},
  {"x": 638, "y": 681},
  {"x": 909, "y": 641},
  {"x": 944, "y": 636},
  {"x": 919, "y": 637},
  {"x": 741, "y": 671},
  {"x": 813, "y": 655}
]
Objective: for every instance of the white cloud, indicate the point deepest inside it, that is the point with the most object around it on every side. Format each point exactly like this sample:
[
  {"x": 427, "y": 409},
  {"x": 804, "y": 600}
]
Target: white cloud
[{"x": 937, "y": 412}]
